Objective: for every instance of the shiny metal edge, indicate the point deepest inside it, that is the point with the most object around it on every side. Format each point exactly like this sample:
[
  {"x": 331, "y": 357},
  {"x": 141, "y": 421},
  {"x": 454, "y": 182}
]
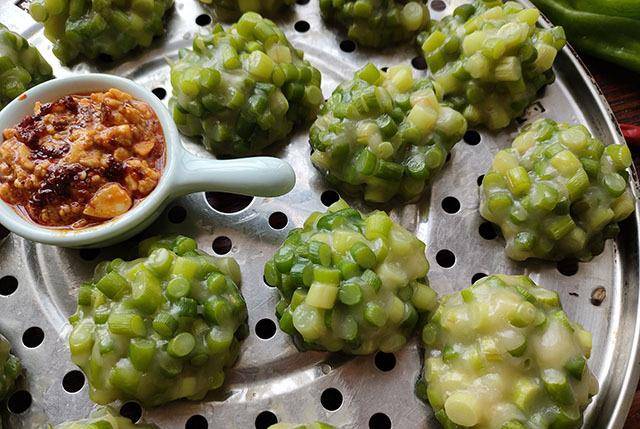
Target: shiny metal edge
[{"x": 618, "y": 367}]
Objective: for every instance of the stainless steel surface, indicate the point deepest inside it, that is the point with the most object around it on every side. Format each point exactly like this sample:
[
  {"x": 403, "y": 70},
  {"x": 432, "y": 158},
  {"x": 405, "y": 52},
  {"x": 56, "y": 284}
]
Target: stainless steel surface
[{"x": 271, "y": 374}]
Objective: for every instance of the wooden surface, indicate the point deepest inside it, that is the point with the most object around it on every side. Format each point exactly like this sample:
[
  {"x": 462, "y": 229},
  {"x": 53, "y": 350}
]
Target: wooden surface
[{"x": 622, "y": 89}]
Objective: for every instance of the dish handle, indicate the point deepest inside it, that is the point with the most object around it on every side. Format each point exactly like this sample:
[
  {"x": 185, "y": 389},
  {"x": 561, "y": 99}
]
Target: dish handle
[{"x": 258, "y": 176}]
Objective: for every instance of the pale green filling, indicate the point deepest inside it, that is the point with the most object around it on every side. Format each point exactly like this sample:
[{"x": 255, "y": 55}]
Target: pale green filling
[
  {"x": 244, "y": 88},
  {"x": 384, "y": 134},
  {"x": 350, "y": 282},
  {"x": 89, "y": 28},
  {"x": 490, "y": 59},
  {"x": 503, "y": 355},
  {"x": 558, "y": 192},
  {"x": 158, "y": 328},
  {"x": 378, "y": 23}
]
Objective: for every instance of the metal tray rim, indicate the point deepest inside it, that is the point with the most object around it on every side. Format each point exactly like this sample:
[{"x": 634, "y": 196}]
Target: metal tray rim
[{"x": 631, "y": 375}]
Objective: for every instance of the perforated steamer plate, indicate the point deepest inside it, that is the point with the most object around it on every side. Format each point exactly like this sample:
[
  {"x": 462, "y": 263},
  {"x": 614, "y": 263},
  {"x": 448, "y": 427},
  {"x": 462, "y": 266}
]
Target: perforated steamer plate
[{"x": 38, "y": 283}]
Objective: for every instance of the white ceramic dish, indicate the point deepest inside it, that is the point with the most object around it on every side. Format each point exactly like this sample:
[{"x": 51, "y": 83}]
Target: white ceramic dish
[{"x": 184, "y": 173}]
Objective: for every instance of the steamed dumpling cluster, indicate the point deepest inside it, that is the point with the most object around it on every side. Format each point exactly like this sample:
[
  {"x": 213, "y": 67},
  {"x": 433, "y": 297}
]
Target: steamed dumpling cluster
[
  {"x": 244, "y": 88},
  {"x": 350, "y": 282},
  {"x": 503, "y": 354},
  {"x": 558, "y": 192},
  {"x": 80, "y": 28},
  {"x": 491, "y": 59},
  {"x": 384, "y": 134},
  {"x": 378, "y": 23},
  {"x": 162, "y": 327}
]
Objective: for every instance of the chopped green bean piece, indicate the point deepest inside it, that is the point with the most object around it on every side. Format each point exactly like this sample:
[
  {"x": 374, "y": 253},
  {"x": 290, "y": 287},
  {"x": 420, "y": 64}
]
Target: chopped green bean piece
[
  {"x": 350, "y": 293},
  {"x": 21, "y": 66},
  {"x": 490, "y": 365},
  {"x": 378, "y": 23},
  {"x": 575, "y": 366},
  {"x": 261, "y": 89},
  {"x": 342, "y": 293},
  {"x": 490, "y": 59},
  {"x": 384, "y": 134},
  {"x": 155, "y": 332},
  {"x": 568, "y": 207},
  {"x": 84, "y": 28}
]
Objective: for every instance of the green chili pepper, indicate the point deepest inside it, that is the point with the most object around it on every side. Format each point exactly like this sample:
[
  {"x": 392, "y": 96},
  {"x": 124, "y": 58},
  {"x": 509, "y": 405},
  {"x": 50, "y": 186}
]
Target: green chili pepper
[{"x": 607, "y": 29}]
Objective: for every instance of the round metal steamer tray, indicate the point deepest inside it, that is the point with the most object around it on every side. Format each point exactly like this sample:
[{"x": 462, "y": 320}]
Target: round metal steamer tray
[{"x": 38, "y": 283}]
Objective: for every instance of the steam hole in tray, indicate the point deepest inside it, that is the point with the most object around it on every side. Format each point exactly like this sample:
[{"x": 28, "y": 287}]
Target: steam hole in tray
[
  {"x": 329, "y": 197},
  {"x": 438, "y": 5},
  {"x": 33, "y": 337},
  {"x": 8, "y": 285},
  {"x": 450, "y": 205},
  {"x": 203, "y": 20},
  {"x": 348, "y": 46},
  {"x": 161, "y": 93},
  {"x": 302, "y": 26},
  {"x": 265, "y": 329},
  {"x": 132, "y": 411},
  {"x": 225, "y": 202},
  {"x": 477, "y": 276},
  {"x": 331, "y": 399},
  {"x": 278, "y": 220},
  {"x": 222, "y": 245},
  {"x": 472, "y": 137},
  {"x": 73, "y": 381},
  {"x": 177, "y": 214},
  {"x": 196, "y": 422},
  {"x": 419, "y": 63},
  {"x": 445, "y": 258},
  {"x": 385, "y": 362},
  {"x": 568, "y": 267},
  {"x": 265, "y": 419},
  {"x": 19, "y": 402},
  {"x": 487, "y": 231},
  {"x": 379, "y": 421}
]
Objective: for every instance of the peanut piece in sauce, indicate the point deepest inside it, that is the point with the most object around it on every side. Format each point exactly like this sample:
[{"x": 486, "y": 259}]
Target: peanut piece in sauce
[{"x": 110, "y": 201}]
